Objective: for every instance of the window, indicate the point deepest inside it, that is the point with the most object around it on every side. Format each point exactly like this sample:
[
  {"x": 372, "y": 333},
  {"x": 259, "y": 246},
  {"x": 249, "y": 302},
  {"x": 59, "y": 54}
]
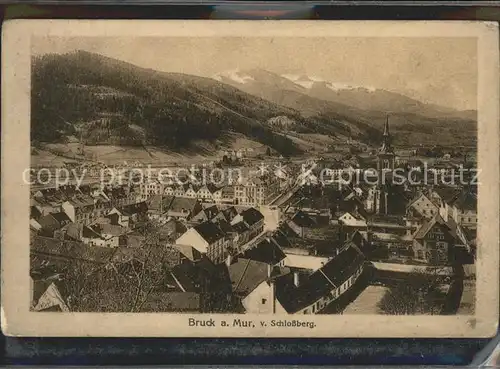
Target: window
[
  {"x": 441, "y": 256},
  {"x": 441, "y": 245},
  {"x": 264, "y": 301}
]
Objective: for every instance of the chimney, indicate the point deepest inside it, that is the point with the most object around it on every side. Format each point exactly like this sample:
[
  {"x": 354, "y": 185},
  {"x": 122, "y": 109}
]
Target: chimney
[
  {"x": 228, "y": 260},
  {"x": 296, "y": 279},
  {"x": 269, "y": 270},
  {"x": 272, "y": 288}
]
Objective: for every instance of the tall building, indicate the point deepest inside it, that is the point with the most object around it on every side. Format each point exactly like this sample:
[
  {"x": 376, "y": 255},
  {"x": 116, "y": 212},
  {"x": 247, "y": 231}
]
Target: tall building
[
  {"x": 385, "y": 166},
  {"x": 386, "y": 156}
]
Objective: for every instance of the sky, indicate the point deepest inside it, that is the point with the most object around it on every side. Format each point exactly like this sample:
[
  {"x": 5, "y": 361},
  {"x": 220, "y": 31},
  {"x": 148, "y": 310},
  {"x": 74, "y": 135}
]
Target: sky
[{"x": 442, "y": 71}]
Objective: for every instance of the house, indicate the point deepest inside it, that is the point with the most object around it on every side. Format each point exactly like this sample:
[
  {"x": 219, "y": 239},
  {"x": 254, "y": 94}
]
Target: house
[
  {"x": 251, "y": 282},
  {"x": 201, "y": 217},
  {"x": 47, "y": 294},
  {"x": 93, "y": 190},
  {"x": 206, "y": 214},
  {"x": 113, "y": 235},
  {"x": 227, "y": 195},
  {"x": 117, "y": 195},
  {"x": 135, "y": 213},
  {"x": 80, "y": 209},
  {"x": 52, "y": 222},
  {"x": 118, "y": 217},
  {"x": 463, "y": 209},
  {"x": 433, "y": 242},
  {"x": 191, "y": 275},
  {"x": 157, "y": 207},
  {"x": 266, "y": 251},
  {"x": 421, "y": 206},
  {"x": 207, "y": 238},
  {"x": 206, "y": 192},
  {"x": 151, "y": 187},
  {"x": 188, "y": 252},
  {"x": 56, "y": 250},
  {"x": 256, "y": 191},
  {"x": 303, "y": 293},
  {"x": 80, "y": 232},
  {"x": 219, "y": 216},
  {"x": 171, "y": 229},
  {"x": 352, "y": 219},
  {"x": 242, "y": 234},
  {"x": 36, "y": 211},
  {"x": 183, "y": 208},
  {"x": 191, "y": 191},
  {"x": 35, "y": 226},
  {"x": 45, "y": 206},
  {"x": 203, "y": 277},
  {"x": 440, "y": 195},
  {"x": 230, "y": 213},
  {"x": 253, "y": 219},
  {"x": 180, "y": 190},
  {"x": 229, "y": 232},
  {"x": 300, "y": 222},
  {"x": 169, "y": 190}
]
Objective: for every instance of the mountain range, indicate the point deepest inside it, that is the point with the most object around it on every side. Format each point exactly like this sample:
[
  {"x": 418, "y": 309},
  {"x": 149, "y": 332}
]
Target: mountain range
[{"x": 103, "y": 100}]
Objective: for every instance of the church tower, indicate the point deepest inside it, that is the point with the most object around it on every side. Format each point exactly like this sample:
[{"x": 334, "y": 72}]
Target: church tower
[
  {"x": 386, "y": 156},
  {"x": 385, "y": 166}
]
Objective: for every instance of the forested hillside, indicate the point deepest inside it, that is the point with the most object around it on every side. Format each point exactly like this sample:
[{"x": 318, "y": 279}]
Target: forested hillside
[{"x": 103, "y": 100}]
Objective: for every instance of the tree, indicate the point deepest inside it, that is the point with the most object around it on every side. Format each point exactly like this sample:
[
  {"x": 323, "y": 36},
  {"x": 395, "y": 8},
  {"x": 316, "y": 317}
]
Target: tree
[
  {"x": 420, "y": 293},
  {"x": 118, "y": 286}
]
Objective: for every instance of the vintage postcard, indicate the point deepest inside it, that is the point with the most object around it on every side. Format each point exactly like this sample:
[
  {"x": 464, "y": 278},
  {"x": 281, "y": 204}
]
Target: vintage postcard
[{"x": 250, "y": 178}]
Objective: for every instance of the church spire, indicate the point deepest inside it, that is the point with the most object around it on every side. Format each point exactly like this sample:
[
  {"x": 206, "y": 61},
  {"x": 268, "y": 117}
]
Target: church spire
[
  {"x": 386, "y": 127},
  {"x": 386, "y": 143}
]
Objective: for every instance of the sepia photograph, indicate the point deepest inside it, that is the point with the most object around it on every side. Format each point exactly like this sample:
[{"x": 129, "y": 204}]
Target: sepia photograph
[{"x": 244, "y": 179}]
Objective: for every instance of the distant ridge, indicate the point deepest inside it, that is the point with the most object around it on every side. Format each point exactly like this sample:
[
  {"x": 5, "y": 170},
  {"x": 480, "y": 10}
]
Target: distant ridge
[{"x": 102, "y": 100}]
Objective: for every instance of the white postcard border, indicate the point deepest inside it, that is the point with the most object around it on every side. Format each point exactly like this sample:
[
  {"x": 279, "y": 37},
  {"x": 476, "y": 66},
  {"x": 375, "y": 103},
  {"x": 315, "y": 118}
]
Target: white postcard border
[{"x": 18, "y": 321}]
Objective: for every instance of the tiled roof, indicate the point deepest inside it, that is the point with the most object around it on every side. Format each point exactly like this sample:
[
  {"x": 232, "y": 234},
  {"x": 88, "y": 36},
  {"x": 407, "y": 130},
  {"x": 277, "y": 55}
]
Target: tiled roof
[
  {"x": 240, "y": 227},
  {"x": 71, "y": 250},
  {"x": 466, "y": 201},
  {"x": 251, "y": 216},
  {"x": 157, "y": 201},
  {"x": 35, "y": 213},
  {"x": 428, "y": 225},
  {"x": 137, "y": 208},
  {"x": 192, "y": 276},
  {"x": 303, "y": 220},
  {"x": 230, "y": 213},
  {"x": 209, "y": 231},
  {"x": 179, "y": 204},
  {"x": 446, "y": 193},
  {"x": 246, "y": 275},
  {"x": 317, "y": 285},
  {"x": 224, "y": 226},
  {"x": 114, "y": 230},
  {"x": 281, "y": 239},
  {"x": 265, "y": 251}
]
